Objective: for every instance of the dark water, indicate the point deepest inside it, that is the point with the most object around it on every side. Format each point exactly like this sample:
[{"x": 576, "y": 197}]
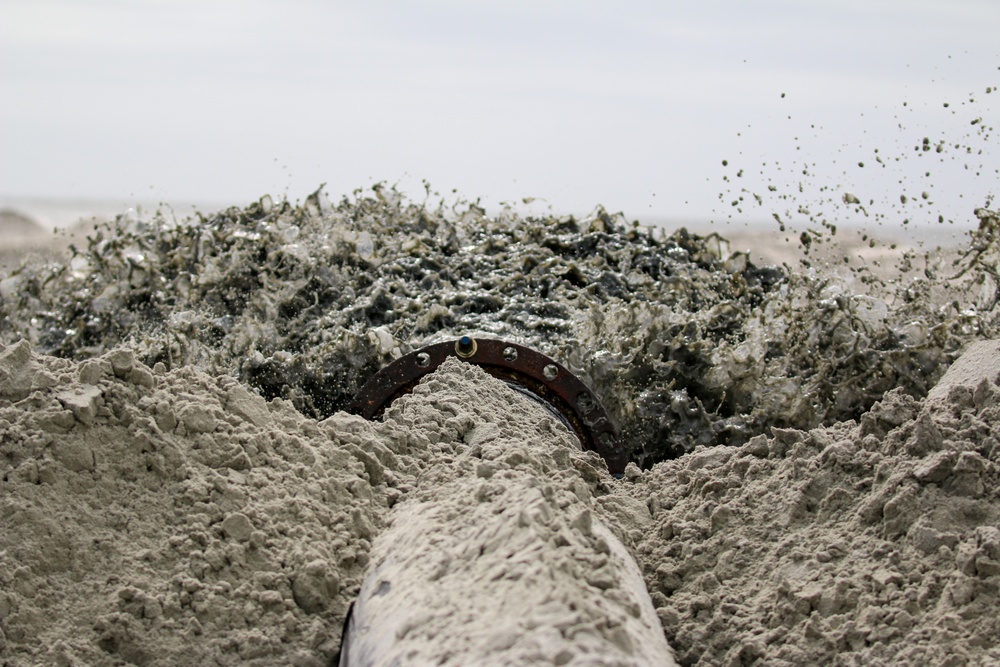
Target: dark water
[{"x": 684, "y": 342}]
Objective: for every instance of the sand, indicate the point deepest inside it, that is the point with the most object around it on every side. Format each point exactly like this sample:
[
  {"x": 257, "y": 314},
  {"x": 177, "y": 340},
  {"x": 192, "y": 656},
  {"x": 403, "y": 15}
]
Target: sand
[
  {"x": 159, "y": 518},
  {"x": 151, "y": 519},
  {"x": 174, "y": 518},
  {"x": 871, "y": 544}
]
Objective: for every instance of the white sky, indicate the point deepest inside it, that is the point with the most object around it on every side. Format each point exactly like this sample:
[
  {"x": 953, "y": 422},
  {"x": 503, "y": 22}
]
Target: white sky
[{"x": 630, "y": 104}]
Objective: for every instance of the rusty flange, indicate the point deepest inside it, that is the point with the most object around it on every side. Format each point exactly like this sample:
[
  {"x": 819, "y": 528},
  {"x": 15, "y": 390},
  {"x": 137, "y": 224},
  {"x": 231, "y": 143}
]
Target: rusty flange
[{"x": 517, "y": 365}]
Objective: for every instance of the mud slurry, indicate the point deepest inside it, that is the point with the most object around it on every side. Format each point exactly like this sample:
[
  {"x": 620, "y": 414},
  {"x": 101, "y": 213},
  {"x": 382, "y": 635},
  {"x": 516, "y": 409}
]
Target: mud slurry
[{"x": 685, "y": 342}]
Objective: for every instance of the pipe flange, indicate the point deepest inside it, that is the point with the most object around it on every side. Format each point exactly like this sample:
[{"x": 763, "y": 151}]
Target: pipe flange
[{"x": 519, "y": 366}]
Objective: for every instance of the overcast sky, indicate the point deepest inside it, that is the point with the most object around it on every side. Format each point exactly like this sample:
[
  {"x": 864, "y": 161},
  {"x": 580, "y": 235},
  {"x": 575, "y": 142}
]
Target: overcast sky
[{"x": 634, "y": 105}]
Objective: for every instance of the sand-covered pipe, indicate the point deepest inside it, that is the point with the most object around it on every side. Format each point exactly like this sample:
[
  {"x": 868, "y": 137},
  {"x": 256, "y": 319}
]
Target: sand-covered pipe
[{"x": 499, "y": 555}]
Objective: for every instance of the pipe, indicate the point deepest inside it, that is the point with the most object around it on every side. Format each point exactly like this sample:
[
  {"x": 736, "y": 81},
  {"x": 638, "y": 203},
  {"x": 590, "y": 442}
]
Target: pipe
[
  {"x": 523, "y": 368},
  {"x": 502, "y": 559}
]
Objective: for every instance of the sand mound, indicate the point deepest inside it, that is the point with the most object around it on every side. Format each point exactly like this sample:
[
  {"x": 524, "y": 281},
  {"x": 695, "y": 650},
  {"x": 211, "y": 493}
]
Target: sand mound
[
  {"x": 21, "y": 235},
  {"x": 152, "y": 517},
  {"x": 173, "y": 519},
  {"x": 870, "y": 544},
  {"x": 158, "y": 518},
  {"x": 17, "y": 224}
]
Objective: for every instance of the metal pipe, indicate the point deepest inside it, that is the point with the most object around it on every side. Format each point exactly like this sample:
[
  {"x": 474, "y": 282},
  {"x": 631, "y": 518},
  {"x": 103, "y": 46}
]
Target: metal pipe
[
  {"x": 520, "y": 366},
  {"x": 482, "y": 588},
  {"x": 503, "y": 560}
]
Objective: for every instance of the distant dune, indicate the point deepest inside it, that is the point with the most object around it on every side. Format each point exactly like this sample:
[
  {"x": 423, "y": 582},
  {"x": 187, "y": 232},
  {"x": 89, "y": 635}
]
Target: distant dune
[
  {"x": 17, "y": 223},
  {"x": 21, "y": 236}
]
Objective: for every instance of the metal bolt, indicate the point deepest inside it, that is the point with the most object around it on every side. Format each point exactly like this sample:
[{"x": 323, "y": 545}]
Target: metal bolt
[{"x": 465, "y": 347}]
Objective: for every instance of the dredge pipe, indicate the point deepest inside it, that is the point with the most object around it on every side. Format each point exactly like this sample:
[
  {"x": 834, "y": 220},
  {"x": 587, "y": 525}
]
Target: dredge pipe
[{"x": 499, "y": 556}]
